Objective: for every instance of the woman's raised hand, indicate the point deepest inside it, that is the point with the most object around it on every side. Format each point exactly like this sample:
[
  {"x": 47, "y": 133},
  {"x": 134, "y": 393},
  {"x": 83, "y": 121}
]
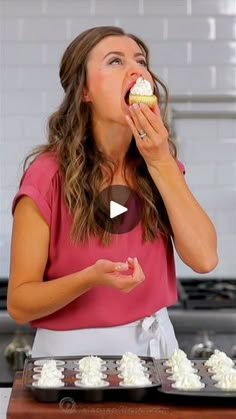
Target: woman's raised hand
[
  {"x": 153, "y": 142},
  {"x": 122, "y": 276}
]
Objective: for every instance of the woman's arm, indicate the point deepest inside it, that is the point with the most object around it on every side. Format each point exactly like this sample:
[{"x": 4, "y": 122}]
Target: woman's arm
[
  {"x": 29, "y": 297},
  {"x": 193, "y": 233}
]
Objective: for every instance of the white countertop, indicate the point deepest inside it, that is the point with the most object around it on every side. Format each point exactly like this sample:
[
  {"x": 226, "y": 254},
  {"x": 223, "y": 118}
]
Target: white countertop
[{"x": 4, "y": 399}]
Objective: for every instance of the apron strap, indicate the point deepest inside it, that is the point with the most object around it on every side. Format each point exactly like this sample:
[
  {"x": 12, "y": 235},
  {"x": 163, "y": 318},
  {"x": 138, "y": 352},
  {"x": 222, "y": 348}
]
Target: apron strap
[{"x": 152, "y": 329}]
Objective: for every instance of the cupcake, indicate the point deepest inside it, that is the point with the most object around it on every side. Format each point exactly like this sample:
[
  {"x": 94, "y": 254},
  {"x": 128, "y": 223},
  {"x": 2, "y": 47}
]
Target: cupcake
[{"x": 142, "y": 92}]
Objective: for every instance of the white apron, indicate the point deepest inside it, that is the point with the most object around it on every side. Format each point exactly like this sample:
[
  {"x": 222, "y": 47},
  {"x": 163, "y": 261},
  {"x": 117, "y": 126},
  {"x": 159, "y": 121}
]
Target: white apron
[{"x": 152, "y": 336}]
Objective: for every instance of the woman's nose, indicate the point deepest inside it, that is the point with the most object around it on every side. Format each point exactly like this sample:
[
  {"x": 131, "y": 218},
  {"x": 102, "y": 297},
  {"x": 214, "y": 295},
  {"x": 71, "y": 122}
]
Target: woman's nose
[{"x": 135, "y": 69}]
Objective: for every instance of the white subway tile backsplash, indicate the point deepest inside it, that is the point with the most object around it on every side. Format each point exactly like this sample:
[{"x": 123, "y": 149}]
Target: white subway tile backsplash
[
  {"x": 160, "y": 72},
  {"x": 17, "y": 54},
  {"x": 189, "y": 79},
  {"x": 61, "y": 8},
  {"x": 116, "y": 8},
  {"x": 11, "y": 176},
  {"x": 11, "y": 127},
  {"x": 54, "y": 52},
  {"x": 6, "y": 197},
  {"x": 152, "y": 31},
  {"x": 6, "y": 225},
  {"x": 165, "y": 7},
  {"x": 10, "y": 29},
  {"x": 226, "y": 79},
  {"x": 225, "y": 222},
  {"x": 197, "y": 129},
  {"x": 10, "y": 78},
  {"x": 201, "y": 175},
  {"x": 226, "y": 28},
  {"x": 220, "y": 53},
  {"x": 213, "y": 7},
  {"x": 216, "y": 198},
  {"x": 34, "y": 126},
  {"x": 226, "y": 173},
  {"x": 226, "y": 268},
  {"x": 20, "y": 103},
  {"x": 227, "y": 246},
  {"x": 52, "y": 100},
  {"x": 78, "y": 25},
  {"x": 46, "y": 78},
  {"x": 14, "y": 151},
  {"x": 227, "y": 131},
  {"x": 44, "y": 29},
  {"x": 169, "y": 53},
  {"x": 205, "y": 151},
  {"x": 21, "y": 8},
  {"x": 191, "y": 28}
]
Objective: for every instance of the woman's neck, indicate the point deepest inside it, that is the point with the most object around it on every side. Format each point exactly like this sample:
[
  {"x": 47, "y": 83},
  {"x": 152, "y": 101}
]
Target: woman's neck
[{"x": 114, "y": 141}]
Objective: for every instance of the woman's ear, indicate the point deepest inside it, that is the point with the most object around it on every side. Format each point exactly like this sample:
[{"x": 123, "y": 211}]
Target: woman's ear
[{"x": 86, "y": 96}]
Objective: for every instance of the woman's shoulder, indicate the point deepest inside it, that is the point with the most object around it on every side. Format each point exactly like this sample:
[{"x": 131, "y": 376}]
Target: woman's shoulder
[
  {"x": 40, "y": 182},
  {"x": 46, "y": 161},
  {"x": 43, "y": 168}
]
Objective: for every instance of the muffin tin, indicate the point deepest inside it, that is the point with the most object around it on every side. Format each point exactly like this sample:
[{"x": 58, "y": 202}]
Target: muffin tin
[
  {"x": 72, "y": 387},
  {"x": 209, "y": 390}
]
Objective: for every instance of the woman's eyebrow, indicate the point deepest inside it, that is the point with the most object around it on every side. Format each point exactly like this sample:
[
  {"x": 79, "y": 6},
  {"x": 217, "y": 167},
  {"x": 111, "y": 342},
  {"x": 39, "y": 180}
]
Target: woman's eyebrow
[{"x": 121, "y": 54}]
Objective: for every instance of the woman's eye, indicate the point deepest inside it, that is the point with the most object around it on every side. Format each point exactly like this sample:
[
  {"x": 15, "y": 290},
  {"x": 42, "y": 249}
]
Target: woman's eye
[
  {"x": 142, "y": 62},
  {"x": 115, "y": 61}
]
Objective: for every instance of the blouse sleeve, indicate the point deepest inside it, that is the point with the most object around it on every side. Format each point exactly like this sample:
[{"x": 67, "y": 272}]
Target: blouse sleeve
[
  {"x": 37, "y": 184},
  {"x": 181, "y": 167}
]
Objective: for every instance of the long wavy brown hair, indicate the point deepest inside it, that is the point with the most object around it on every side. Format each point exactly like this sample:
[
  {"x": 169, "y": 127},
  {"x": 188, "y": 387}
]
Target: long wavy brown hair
[{"x": 81, "y": 164}]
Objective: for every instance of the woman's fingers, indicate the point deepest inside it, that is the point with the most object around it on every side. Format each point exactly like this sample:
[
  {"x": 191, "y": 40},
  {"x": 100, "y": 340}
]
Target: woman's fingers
[
  {"x": 116, "y": 275},
  {"x": 138, "y": 272},
  {"x": 147, "y": 120},
  {"x": 120, "y": 267}
]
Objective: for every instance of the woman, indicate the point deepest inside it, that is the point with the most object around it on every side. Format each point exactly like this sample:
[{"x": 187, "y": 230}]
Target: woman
[{"x": 85, "y": 290}]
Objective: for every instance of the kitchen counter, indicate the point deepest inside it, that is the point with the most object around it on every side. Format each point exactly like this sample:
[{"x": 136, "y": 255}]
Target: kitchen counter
[{"x": 22, "y": 405}]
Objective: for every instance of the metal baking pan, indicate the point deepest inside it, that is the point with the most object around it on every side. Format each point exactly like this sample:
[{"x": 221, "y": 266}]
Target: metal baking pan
[
  {"x": 91, "y": 394},
  {"x": 210, "y": 389}
]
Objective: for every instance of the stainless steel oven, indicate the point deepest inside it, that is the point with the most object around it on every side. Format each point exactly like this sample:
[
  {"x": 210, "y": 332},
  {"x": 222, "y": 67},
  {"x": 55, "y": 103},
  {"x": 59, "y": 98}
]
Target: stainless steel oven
[{"x": 205, "y": 316}]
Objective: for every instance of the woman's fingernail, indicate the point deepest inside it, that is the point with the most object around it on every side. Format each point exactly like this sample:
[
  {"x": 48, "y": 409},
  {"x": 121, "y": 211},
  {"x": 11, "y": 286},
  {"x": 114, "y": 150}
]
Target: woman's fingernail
[{"x": 121, "y": 266}]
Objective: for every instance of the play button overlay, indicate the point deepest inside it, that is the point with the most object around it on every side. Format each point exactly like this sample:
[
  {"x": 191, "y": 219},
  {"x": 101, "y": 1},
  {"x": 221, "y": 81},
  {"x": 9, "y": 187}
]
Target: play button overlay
[{"x": 118, "y": 209}]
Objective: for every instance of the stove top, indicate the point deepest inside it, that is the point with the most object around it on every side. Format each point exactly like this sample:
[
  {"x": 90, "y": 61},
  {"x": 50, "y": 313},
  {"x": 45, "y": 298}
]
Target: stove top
[{"x": 207, "y": 293}]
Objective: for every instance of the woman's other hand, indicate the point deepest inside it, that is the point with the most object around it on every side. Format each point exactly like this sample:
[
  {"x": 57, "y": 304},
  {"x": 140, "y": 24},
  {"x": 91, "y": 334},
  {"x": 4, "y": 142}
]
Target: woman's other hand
[{"x": 122, "y": 276}]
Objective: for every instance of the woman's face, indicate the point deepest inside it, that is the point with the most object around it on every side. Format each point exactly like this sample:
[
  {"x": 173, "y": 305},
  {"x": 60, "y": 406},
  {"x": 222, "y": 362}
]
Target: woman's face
[{"x": 114, "y": 64}]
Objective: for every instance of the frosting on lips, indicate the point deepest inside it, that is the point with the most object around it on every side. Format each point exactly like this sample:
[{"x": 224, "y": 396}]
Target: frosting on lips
[{"x": 142, "y": 87}]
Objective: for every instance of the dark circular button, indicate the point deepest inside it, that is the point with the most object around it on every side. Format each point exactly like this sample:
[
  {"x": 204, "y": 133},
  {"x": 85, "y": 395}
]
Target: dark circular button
[{"x": 118, "y": 209}]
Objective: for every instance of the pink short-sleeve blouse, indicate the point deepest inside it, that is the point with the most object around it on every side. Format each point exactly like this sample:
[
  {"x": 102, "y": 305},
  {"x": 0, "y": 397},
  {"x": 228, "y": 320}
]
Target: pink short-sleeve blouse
[{"x": 101, "y": 306}]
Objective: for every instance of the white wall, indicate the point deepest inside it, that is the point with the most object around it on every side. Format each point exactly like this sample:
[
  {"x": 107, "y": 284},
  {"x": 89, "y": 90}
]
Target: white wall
[{"x": 193, "y": 49}]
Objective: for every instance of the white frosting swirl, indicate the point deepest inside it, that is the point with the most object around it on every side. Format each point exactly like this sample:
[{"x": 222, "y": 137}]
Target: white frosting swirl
[
  {"x": 188, "y": 382},
  {"x": 177, "y": 358},
  {"x": 92, "y": 380},
  {"x": 135, "y": 380},
  {"x": 142, "y": 87},
  {"x": 228, "y": 382},
  {"x": 218, "y": 359},
  {"x": 219, "y": 375},
  {"x": 46, "y": 381}
]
